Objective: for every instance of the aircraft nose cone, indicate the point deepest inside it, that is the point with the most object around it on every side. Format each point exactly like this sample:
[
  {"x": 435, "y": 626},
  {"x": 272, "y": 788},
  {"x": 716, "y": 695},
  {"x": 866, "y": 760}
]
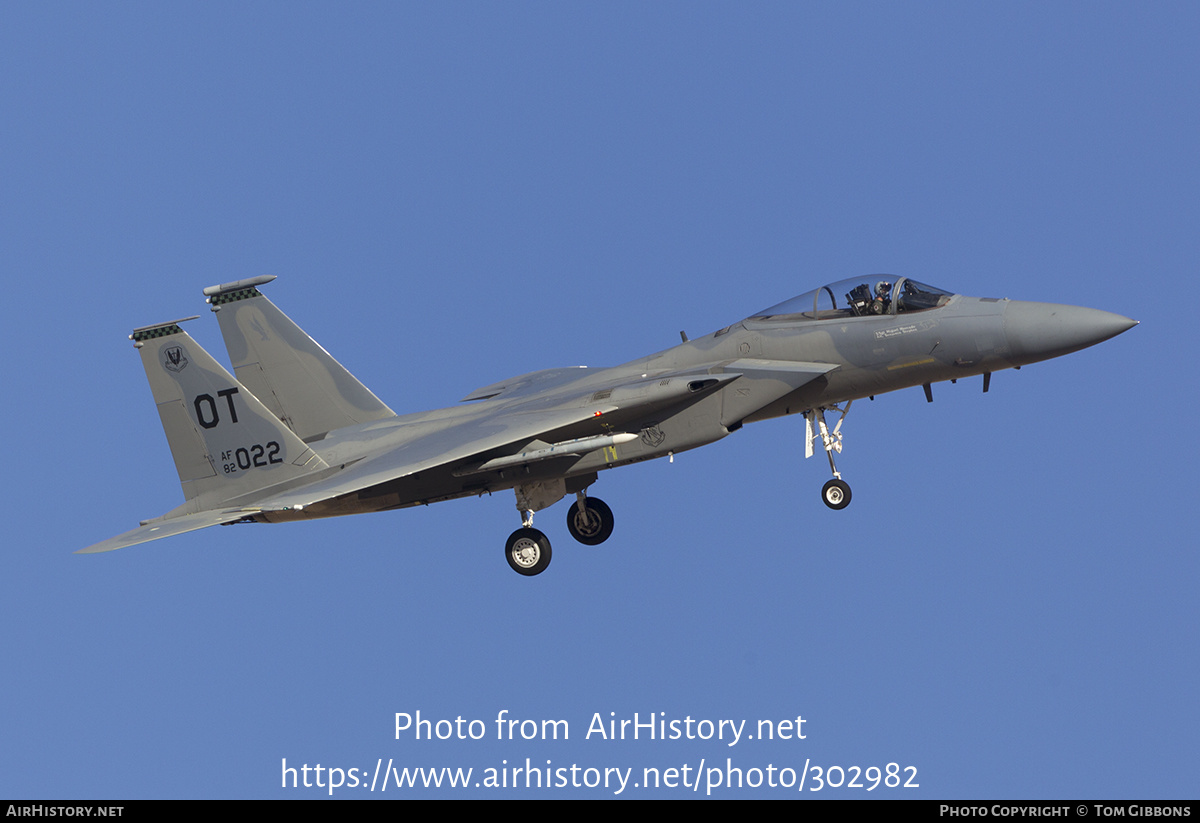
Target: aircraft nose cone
[{"x": 1037, "y": 331}]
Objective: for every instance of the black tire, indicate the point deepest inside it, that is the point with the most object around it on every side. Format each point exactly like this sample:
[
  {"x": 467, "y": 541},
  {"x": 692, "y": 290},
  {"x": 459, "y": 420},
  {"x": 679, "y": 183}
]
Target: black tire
[
  {"x": 836, "y": 494},
  {"x": 528, "y": 552},
  {"x": 593, "y": 525}
]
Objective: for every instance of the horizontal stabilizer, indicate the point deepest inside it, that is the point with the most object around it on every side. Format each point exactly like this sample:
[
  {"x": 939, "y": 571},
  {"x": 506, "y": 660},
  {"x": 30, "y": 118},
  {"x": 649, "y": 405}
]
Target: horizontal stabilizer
[{"x": 165, "y": 528}]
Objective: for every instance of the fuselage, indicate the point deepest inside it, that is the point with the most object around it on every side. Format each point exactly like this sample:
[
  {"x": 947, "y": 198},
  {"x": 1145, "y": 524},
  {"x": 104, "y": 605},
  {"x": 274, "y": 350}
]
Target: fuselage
[{"x": 914, "y": 335}]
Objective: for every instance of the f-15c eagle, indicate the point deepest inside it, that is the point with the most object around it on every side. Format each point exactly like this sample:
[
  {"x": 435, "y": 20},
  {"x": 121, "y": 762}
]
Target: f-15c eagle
[{"x": 295, "y": 436}]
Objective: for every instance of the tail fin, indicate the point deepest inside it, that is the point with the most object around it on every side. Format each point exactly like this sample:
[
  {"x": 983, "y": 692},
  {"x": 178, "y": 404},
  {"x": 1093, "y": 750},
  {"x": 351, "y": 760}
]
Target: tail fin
[
  {"x": 289, "y": 371},
  {"x": 224, "y": 441}
]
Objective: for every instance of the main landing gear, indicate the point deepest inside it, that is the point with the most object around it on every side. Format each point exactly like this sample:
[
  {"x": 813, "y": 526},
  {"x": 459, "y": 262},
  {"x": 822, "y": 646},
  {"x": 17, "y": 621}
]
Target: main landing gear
[
  {"x": 528, "y": 551},
  {"x": 835, "y": 493},
  {"x": 589, "y": 520}
]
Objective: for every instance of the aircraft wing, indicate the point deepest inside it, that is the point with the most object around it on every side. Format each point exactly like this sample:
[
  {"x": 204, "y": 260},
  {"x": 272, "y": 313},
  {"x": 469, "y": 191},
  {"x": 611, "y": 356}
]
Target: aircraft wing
[
  {"x": 446, "y": 445},
  {"x": 461, "y": 441},
  {"x": 477, "y": 436},
  {"x": 493, "y": 433}
]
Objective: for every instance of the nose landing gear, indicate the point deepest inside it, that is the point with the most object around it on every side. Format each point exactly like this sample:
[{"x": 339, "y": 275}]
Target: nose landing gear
[{"x": 835, "y": 493}]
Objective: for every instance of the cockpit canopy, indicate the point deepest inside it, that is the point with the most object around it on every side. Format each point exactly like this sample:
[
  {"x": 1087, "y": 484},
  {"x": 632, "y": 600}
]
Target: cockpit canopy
[{"x": 877, "y": 294}]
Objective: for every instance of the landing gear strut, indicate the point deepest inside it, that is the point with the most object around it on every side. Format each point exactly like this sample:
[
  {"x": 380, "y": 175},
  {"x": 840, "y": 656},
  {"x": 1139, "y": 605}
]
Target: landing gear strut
[{"x": 835, "y": 493}]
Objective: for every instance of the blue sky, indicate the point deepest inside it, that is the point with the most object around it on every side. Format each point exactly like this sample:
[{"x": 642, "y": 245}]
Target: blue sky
[{"x": 452, "y": 194}]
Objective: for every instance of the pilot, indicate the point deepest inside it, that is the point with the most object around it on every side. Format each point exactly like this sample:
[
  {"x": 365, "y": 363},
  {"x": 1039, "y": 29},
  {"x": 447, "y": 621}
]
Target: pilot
[{"x": 880, "y": 304}]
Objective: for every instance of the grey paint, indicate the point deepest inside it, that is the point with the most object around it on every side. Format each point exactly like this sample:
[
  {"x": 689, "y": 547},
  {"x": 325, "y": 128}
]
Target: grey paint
[{"x": 309, "y": 440}]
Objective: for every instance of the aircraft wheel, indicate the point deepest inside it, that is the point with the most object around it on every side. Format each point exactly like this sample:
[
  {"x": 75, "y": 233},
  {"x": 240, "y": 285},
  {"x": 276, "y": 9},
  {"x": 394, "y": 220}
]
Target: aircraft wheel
[
  {"x": 836, "y": 494},
  {"x": 528, "y": 552},
  {"x": 593, "y": 525}
]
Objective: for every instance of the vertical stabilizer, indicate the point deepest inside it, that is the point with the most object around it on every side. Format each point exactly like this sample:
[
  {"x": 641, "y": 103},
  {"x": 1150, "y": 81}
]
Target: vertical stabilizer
[
  {"x": 294, "y": 377},
  {"x": 224, "y": 441}
]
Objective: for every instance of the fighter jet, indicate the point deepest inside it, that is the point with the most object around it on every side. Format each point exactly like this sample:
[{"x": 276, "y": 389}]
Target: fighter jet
[{"x": 295, "y": 436}]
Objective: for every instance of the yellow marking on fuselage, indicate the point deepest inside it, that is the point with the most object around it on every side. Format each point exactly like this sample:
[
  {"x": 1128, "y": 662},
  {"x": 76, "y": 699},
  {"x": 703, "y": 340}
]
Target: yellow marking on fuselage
[{"x": 921, "y": 362}]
